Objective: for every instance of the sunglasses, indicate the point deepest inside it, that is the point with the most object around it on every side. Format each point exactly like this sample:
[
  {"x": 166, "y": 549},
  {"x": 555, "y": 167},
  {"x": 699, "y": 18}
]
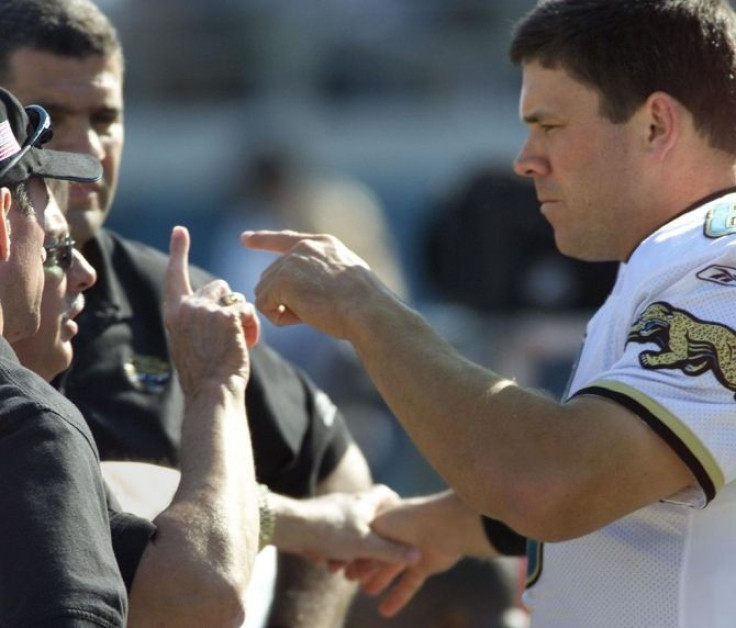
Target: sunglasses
[
  {"x": 60, "y": 254},
  {"x": 42, "y": 132}
]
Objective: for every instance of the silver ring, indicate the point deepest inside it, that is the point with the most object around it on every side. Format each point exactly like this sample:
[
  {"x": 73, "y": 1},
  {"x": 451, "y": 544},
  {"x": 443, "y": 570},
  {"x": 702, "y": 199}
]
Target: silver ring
[{"x": 230, "y": 298}]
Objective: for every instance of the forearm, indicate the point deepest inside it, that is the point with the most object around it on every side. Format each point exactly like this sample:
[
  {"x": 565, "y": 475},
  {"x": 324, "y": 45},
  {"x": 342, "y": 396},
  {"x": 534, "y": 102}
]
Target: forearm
[
  {"x": 200, "y": 560},
  {"x": 469, "y": 422},
  {"x": 307, "y": 594},
  {"x": 334, "y": 525},
  {"x": 296, "y": 529},
  {"x": 462, "y": 524}
]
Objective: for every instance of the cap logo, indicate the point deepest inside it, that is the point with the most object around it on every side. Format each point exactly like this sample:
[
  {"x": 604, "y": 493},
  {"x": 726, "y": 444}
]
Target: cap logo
[{"x": 8, "y": 144}]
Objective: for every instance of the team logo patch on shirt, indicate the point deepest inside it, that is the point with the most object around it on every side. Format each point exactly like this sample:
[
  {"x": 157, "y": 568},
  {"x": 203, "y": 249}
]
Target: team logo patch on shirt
[
  {"x": 724, "y": 275},
  {"x": 687, "y": 343},
  {"x": 721, "y": 220},
  {"x": 148, "y": 373}
]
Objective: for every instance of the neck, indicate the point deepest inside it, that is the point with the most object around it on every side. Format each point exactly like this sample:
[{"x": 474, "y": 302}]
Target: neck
[{"x": 677, "y": 197}]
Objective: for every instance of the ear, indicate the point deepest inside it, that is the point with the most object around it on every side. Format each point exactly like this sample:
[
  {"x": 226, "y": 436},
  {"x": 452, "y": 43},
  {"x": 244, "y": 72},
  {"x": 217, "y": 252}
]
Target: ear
[
  {"x": 664, "y": 116},
  {"x": 6, "y": 202}
]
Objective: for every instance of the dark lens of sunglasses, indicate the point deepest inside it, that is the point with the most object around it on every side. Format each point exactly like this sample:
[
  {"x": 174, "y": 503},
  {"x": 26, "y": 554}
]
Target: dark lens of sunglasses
[{"x": 60, "y": 255}]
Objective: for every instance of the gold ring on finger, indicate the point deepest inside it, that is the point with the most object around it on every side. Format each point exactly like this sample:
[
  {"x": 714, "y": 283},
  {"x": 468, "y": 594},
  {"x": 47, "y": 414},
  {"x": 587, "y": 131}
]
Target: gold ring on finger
[{"x": 230, "y": 298}]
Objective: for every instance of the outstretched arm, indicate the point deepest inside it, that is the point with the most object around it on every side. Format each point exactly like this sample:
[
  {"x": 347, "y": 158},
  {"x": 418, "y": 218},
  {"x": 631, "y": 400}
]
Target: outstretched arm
[
  {"x": 195, "y": 569},
  {"x": 552, "y": 471}
]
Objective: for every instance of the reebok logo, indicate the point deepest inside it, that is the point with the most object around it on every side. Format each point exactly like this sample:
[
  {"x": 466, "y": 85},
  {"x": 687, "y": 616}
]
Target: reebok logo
[{"x": 724, "y": 275}]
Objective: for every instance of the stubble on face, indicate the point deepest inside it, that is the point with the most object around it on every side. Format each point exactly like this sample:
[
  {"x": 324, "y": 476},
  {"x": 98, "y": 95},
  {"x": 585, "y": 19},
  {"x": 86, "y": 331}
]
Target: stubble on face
[{"x": 580, "y": 163}]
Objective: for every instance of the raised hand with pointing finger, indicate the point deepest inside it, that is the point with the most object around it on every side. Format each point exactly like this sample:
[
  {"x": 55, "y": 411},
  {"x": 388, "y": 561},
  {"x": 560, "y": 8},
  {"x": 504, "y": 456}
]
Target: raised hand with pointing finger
[
  {"x": 211, "y": 329},
  {"x": 196, "y": 570},
  {"x": 317, "y": 280}
]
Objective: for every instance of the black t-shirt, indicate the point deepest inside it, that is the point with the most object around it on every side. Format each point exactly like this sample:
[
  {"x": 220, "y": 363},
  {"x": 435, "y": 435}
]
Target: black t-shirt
[
  {"x": 121, "y": 379},
  {"x": 57, "y": 566}
]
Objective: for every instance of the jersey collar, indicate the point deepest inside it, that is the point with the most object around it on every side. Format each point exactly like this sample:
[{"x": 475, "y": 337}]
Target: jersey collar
[{"x": 693, "y": 206}]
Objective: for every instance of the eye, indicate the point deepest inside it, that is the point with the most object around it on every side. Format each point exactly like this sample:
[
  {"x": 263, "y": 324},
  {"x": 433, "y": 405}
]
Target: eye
[
  {"x": 59, "y": 254},
  {"x": 105, "y": 118}
]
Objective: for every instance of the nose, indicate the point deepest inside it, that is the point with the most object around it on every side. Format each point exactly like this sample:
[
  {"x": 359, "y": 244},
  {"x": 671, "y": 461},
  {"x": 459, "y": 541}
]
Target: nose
[
  {"x": 529, "y": 163},
  {"x": 80, "y": 138},
  {"x": 81, "y": 276}
]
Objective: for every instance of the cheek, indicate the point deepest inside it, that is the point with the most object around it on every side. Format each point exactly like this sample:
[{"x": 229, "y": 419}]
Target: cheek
[
  {"x": 111, "y": 160},
  {"x": 54, "y": 293}
]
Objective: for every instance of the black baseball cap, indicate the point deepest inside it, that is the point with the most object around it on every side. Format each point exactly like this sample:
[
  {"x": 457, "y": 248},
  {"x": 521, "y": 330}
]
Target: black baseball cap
[{"x": 23, "y": 132}]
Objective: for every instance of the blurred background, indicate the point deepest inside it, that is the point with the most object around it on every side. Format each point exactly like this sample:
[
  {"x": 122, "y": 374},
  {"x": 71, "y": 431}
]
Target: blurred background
[{"x": 391, "y": 123}]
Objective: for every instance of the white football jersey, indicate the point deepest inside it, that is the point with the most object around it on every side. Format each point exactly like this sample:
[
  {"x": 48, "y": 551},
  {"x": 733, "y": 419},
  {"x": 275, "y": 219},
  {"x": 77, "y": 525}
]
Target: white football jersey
[{"x": 664, "y": 346}]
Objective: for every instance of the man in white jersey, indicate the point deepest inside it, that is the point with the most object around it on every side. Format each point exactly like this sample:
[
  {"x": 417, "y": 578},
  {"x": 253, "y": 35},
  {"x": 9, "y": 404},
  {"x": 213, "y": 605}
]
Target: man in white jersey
[{"x": 627, "y": 484}]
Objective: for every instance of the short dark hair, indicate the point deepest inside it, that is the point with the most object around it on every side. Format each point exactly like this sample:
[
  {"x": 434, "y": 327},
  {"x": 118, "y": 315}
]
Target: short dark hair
[
  {"x": 629, "y": 49},
  {"x": 70, "y": 28}
]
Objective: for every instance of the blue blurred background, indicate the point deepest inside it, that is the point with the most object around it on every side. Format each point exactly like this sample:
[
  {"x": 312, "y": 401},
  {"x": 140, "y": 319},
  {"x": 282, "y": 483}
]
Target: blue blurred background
[{"x": 404, "y": 95}]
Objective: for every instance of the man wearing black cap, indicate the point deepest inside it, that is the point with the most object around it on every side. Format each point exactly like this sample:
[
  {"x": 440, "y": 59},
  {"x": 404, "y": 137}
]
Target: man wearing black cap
[
  {"x": 56, "y": 561},
  {"x": 57, "y": 536}
]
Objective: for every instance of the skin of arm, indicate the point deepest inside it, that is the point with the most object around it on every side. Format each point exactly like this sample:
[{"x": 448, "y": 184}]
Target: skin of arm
[
  {"x": 307, "y": 594},
  {"x": 196, "y": 568},
  {"x": 554, "y": 471},
  {"x": 331, "y": 527}
]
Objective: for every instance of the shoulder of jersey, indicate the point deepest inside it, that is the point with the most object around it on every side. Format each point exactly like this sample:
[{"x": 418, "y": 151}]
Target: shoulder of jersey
[{"x": 720, "y": 219}]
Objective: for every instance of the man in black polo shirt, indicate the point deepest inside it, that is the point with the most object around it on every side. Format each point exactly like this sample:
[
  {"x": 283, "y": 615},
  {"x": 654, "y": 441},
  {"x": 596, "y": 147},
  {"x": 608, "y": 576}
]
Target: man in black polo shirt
[
  {"x": 66, "y": 55},
  {"x": 56, "y": 560},
  {"x": 57, "y": 535}
]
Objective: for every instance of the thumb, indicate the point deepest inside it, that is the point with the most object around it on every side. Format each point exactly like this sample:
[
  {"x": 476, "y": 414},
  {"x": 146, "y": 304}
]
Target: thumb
[
  {"x": 382, "y": 498},
  {"x": 177, "y": 283}
]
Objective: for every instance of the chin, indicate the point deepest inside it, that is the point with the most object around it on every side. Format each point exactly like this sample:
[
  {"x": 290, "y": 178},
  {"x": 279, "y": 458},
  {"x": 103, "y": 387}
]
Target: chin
[
  {"x": 567, "y": 248},
  {"x": 61, "y": 359}
]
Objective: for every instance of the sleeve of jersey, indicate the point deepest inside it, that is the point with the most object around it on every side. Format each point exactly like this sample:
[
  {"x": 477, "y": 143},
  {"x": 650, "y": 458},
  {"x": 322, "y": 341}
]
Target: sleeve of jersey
[
  {"x": 299, "y": 436},
  {"x": 502, "y": 538},
  {"x": 678, "y": 375},
  {"x": 56, "y": 560}
]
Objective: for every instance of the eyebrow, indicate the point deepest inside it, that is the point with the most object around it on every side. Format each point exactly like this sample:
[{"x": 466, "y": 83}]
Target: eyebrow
[
  {"x": 61, "y": 109},
  {"x": 536, "y": 116}
]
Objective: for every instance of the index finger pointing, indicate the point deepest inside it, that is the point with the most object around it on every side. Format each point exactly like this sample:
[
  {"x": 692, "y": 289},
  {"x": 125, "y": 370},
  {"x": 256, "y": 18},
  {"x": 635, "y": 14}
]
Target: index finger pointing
[
  {"x": 177, "y": 270},
  {"x": 276, "y": 241}
]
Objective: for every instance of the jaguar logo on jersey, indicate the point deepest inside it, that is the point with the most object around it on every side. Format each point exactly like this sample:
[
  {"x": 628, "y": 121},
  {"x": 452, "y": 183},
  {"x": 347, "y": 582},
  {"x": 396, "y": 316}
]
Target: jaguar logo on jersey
[
  {"x": 148, "y": 373},
  {"x": 687, "y": 343},
  {"x": 724, "y": 275}
]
